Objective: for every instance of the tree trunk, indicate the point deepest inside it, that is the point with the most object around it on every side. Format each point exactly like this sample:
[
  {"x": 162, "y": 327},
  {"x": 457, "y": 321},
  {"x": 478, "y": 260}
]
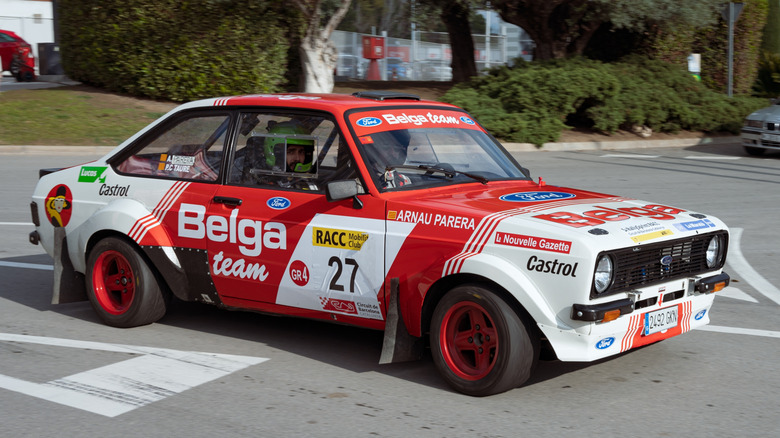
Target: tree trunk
[
  {"x": 560, "y": 28},
  {"x": 318, "y": 59},
  {"x": 456, "y": 17}
]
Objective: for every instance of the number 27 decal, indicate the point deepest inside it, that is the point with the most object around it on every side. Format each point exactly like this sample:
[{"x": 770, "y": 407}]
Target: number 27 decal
[{"x": 334, "y": 282}]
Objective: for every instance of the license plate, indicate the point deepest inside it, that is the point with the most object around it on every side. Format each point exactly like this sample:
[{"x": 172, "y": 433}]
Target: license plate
[
  {"x": 660, "y": 320},
  {"x": 770, "y": 137}
]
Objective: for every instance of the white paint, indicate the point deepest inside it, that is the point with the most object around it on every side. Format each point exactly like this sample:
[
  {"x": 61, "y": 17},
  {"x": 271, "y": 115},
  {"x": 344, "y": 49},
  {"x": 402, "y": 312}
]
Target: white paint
[
  {"x": 737, "y": 261},
  {"x": 628, "y": 156},
  {"x": 26, "y": 224},
  {"x": 710, "y": 157},
  {"x": 152, "y": 375},
  {"x": 735, "y": 294},
  {"x": 739, "y": 331},
  {"x": 27, "y": 266}
]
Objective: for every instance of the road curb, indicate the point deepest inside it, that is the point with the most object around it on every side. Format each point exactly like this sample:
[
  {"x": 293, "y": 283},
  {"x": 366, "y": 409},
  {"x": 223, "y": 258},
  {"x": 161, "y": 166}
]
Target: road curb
[
  {"x": 511, "y": 147},
  {"x": 620, "y": 144}
]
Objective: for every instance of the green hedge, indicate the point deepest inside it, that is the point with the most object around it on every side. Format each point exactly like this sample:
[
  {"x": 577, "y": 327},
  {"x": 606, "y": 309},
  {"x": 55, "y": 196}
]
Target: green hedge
[
  {"x": 179, "y": 50},
  {"x": 534, "y": 102}
]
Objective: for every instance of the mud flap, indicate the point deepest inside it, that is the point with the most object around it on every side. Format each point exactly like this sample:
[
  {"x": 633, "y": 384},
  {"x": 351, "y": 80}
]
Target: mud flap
[
  {"x": 69, "y": 286},
  {"x": 398, "y": 344}
]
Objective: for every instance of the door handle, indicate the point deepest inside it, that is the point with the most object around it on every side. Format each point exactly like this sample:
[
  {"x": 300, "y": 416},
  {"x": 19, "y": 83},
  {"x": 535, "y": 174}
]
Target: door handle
[{"x": 230, "y": 202}]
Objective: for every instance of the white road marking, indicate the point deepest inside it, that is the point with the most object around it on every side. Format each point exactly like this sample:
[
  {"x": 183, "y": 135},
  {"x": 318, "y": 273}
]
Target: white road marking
[
  {"x": 710, "y": 157},
  {"x": 26, "y": 224},
  {"x": 628, "y": 156},
  {"x": 155, "y": 374},
  {"x": 27, "y": 266},
  {"x": 737, "y": 261},
  {"x": 735, "y": 294},
  {"x": 739, "y": 331}
]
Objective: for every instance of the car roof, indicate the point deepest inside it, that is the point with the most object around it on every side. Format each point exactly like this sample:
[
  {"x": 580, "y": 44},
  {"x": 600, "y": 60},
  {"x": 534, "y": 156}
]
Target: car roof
[
  {"x": 12, "y": 34},
  {"x": 337, "y": 103}
]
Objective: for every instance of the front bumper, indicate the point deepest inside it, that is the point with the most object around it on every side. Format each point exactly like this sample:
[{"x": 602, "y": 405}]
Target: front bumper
[
  {"x": 614, "y": 309},
  {"x": 626, "y": 331}
]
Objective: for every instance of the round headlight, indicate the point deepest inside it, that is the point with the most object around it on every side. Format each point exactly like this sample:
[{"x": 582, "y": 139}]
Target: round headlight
[
  {"x": 714, "y": 252},
  {"x": 602, "y": 278}
]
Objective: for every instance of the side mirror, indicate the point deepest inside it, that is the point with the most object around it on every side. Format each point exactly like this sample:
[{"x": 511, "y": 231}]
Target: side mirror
[{"x": 338, "y": 190}]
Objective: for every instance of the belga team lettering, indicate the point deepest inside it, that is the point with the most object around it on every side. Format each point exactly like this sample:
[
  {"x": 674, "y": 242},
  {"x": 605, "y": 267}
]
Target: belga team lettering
[
  {"x": 251, "y": 235},
  {"x": 602, "y": 215}
]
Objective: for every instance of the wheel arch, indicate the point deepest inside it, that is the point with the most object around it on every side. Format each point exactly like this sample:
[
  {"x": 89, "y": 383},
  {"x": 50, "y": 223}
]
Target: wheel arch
[
  {"x": 439, "y": 289},
  {"x": 105, "y": 233}
]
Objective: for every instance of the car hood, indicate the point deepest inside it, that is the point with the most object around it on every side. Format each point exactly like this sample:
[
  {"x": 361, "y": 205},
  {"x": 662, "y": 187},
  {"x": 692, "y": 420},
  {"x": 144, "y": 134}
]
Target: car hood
[
  {"x": 772, "y": 111},
  {"x": 530, "y": 209}
]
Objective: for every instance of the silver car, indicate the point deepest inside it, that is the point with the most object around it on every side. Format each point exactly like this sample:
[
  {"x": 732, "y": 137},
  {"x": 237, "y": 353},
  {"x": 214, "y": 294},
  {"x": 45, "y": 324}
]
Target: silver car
[{"x": 761, "y": 130}]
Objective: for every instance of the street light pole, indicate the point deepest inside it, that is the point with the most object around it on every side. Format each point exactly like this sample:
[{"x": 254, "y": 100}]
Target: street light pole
[{"x": 730, "y": 14}]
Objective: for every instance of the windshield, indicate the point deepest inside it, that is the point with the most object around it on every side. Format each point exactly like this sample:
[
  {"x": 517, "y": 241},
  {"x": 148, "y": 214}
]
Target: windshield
[{"x": 429, "y": 150}]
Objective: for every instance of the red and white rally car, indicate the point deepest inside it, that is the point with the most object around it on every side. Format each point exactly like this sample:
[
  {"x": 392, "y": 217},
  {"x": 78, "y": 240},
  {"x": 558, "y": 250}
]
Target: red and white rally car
[{"x": 382, "y": 211}]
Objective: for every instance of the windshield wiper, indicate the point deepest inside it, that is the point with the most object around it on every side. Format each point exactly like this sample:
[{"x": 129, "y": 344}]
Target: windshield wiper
[{"x": 448, "y": 172}]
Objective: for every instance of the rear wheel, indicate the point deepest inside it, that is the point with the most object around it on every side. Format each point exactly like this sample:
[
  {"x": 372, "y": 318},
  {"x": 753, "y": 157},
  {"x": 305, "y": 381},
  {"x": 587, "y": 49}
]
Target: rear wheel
[
  {"x": 480, "y": 345},
  {"x": 122, "y": 287}
]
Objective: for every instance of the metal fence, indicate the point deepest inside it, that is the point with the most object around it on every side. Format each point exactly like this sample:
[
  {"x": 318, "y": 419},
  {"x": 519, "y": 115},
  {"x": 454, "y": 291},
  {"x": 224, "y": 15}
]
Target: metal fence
[{"x": 428, "y": 56}]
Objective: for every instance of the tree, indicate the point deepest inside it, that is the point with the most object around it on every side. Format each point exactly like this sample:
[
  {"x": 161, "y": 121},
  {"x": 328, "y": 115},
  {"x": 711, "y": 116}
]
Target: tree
[
  {"x": 456, "y": 16},
  {"x": 318, "y": 53},
  {"x": 771, "y": 41},
  {"x": 562, "y": 28}
]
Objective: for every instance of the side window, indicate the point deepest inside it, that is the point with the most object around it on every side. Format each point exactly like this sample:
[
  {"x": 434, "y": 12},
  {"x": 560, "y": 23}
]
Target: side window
[
  {"x": 191, "y": 149},
  {"x": 290, "y": 151}
]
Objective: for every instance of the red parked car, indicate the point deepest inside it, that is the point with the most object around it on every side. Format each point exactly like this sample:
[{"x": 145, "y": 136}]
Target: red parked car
[{"x": 17, "y": 56}]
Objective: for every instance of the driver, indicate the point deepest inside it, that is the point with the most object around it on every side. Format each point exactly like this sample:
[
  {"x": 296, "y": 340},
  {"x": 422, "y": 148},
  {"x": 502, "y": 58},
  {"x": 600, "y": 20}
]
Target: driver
[
  {"x": 389, "y": 151},
  {"x": 298, "y": 155}
]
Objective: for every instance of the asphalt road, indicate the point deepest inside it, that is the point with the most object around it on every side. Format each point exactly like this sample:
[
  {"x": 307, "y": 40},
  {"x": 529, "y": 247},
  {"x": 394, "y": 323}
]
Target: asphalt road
[{"x": 290, "y": 377}]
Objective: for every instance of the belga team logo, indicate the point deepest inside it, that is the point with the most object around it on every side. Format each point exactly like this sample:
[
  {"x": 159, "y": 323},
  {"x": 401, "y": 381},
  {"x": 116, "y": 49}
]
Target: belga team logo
[{"x": 58, "y": 205}]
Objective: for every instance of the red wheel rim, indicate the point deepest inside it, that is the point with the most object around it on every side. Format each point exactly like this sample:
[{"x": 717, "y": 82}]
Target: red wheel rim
[
  {"x": 113, "y": 281},
  {"x": 469, "y": 341}
]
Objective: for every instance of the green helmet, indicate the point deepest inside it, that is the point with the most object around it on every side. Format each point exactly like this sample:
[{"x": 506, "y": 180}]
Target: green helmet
[{"x": 287, "y": 133}]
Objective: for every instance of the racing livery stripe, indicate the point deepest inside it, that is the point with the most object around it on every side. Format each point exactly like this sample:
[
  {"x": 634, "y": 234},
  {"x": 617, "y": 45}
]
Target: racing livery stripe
[
  {"x": 169, "y": 199},
  {"x": 148, "y": 222},
  {"x": 141, "y": 227},
  {"x": 480, "y": 237},
  {"x": 685, "y": 320},
  {"x": 634, "y": 326},
  {"x": 221, "y": 101}
]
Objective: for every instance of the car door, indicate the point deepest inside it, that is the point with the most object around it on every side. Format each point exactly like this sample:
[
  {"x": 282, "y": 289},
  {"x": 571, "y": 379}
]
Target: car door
[{"x": 277, "y": 241}]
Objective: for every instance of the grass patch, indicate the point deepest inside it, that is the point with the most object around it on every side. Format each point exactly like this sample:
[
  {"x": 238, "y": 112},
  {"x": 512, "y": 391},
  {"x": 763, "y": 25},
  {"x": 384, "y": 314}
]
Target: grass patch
[{"x": 73, "y": 116}]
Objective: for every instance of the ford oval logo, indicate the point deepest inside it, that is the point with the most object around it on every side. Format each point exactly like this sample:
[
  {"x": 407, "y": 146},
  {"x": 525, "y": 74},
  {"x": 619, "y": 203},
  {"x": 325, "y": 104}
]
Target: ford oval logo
[
  {"x": 605, "y": 343},
  {"x": 536, "y": 196},
  {"x": 666, "y": 260},
  {"x": 369, "y": 121},
  {"x": 466, "y": 120},
  {"x": 278, "y": 203},
  {"x": 700, "y": 315}
]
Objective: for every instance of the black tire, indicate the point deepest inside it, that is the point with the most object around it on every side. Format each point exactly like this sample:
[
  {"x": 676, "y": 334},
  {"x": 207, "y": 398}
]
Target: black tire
[
  {"x": 122, "y": 287},
  {"x": 480, "y": 345},
  {"x": 754, "y": 151}
]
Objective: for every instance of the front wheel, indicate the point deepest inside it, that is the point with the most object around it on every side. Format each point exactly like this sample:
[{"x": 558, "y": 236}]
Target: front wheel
[
  {"x": 121, "y": 286},
  {"x": 754, "y": 151},
  {"x": 480, "y": 345}
]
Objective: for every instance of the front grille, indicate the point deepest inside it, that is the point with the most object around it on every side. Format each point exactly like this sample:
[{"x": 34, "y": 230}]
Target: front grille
[{"x": 641, "y": 266}]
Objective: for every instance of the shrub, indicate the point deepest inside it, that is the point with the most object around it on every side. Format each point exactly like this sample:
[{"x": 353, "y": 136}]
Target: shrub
[
  {"x": 177, "y": 50},
  {"x": 534, "y": 102}
]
